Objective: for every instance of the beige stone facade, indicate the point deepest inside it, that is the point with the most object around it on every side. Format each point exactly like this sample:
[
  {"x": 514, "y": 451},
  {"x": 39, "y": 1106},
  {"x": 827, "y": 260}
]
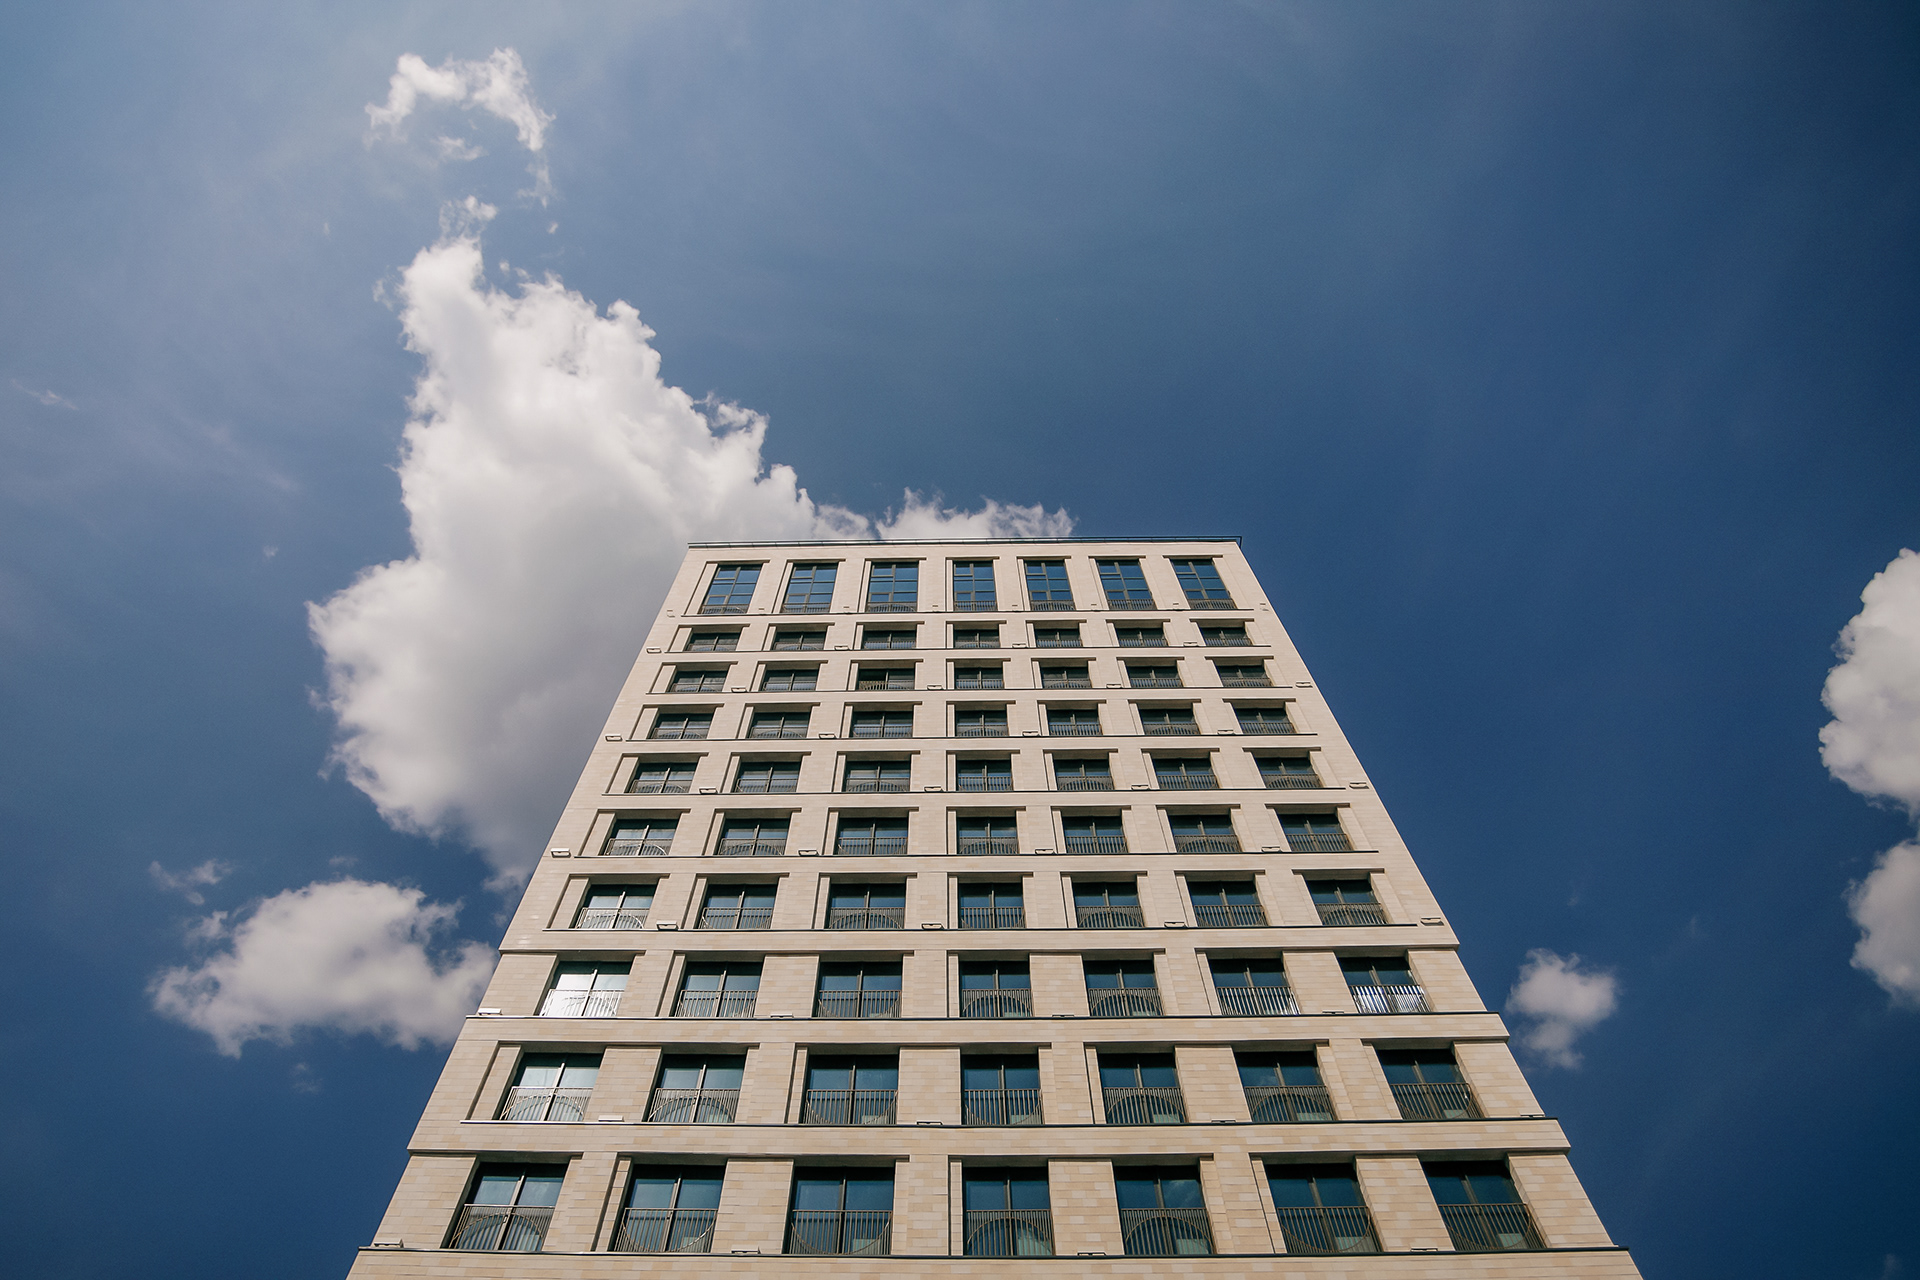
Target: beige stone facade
[{"x": 1179, "y": 749}]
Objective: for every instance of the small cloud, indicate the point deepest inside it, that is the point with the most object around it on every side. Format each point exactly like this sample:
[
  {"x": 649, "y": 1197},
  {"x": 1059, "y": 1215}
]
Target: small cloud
[
  {"x": 552, "y": 227},
  {"x": 1886, "y": 906},
  {"x": 305, "y": 1079},
  {"x": 1562, "y": 1001},
  {"x": 269, "y": 552},
  {"x": 326, "y": 228},
  {"x": 498, "y": 86},
  {"x": 457, "y": 148},
  {"x": 51, "y": 399},
  {"x": 188, "y": 883}
]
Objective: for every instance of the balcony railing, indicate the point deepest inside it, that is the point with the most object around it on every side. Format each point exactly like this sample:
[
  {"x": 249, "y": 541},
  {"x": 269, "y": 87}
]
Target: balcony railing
[
  {"x": 554, "y": 1106},
  {"x": 736, "y": 917},
  {"x": 999, "y": 1108},
  {"x": 882, "y": 731},
  {"x": 1073, "y": 728},
  {"x": 1124, "y": 1002},
  {"x": 1009, "y": 1233},
  {"x": 864, "y": 1232},
  {"x": 680, "y": 731},
  {"x": 1328, "y": 1229},
  {"x": 806, "y": 606},
  {"x": 576, "y": 1003},
  {"x": 856, "y": 1004},
  {"x": 503, "y": 1228},
  {"x": 1192, "y": 603},
  {"x": 1002, "y": 1003},
  {"x": 997, "y": 917},
  {"x": 1229, "y": 915},
  {"x": 893, "y": 606},
  {"x": 866, "y": 917},
  {"x": 1129, "y": 604},
  {"x": 862, "y": 788},
  {"x": 1490, "y": 1228},
  {"x": 1390, "y": 999},
  {"x": 1289, "y": 1104},
  {"x": 613, "y": 918},
  {"x": 1246, "y": 682},
  {"x": 997, "y": 730},
  {"x": 1187, "y": 781},
  {"x": 978, "y": 682},
  {"x": 636, "y": 849},
  {"x": 1066, "y": 682},
  {"x": 714, "y": 607},
  {"x": 694, "y": 1106},
  {"x": 1084, "y": 784},
  {"x": 1154, "y": 682},
  {"x": 1348, "y": 913},
  {"x": 659, "y": 786},
  {"x": 987, "y": 846},
  {"x": 715, "y": 1004},
  {"x": 1143, "y": 642},
  {"x": 1290, "y": 781},
  {"x": 665, "y": 1231},
  {"x": 1095, "y": 844},
  {"x": 848, "y": 1106},
  {"x": 865, "y": 683},
  {"x": 1228, "y": 642},
  {"x": 1452, "y": 1100},
  {"x": 1257, "y": 1002},
  {"x": 1170, "y": 729},
  {"x": 766, "y": 786},
  {"x": 870, "y": 846},
  {"x": 781, "y": 730},
  {"x": 1165, "y": 1233},
  {"x": 750, "y": 849},
  {"x": 1207, "y": 844},
  {"x": 976, "y": 606},
  {"x": 1109, "y": 917},
  {"x": 1266, "y": 724},
  {"x": 1145, "y": 1104},
  {"x": 1050, "y": 606},
  {"x": 991, "y": 782},
  {"x": 1318, "y": 842}
]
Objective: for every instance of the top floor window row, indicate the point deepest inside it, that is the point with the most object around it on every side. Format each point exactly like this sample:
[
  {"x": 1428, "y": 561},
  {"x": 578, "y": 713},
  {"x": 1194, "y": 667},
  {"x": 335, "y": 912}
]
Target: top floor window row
[
  {"x": 1232, "y": 672},
  {"x": 810, "y": 588},
  {"x": 731, "y": 589},
  {"x": 1200, "y": 580},
  {"x": 894, "y": 588},
  {"x": 1047, "y": 586},
  {"x": 973, "y": 586},
  {"x": 1125, "y": 585}
]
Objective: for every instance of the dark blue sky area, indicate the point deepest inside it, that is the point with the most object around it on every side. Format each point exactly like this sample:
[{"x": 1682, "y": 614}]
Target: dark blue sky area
[{"x": 1557, "y": 364}]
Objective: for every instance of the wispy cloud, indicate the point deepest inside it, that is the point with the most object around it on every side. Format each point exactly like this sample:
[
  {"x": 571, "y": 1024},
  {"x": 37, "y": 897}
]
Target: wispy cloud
[
  {"x": 1562, "y": 1001},
  {"x": 188, "y": 883},
  {"x": 50, "y": 398},
  {"x": 496, "y": 85}
]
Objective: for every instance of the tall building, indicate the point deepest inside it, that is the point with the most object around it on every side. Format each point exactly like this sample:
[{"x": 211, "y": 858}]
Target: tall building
[{"x": 923, "y": 902}]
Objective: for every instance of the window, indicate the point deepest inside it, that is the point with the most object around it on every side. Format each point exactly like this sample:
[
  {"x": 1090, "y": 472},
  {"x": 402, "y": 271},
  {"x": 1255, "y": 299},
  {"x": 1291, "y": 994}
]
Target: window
[
  {"x": 790, "y": 680},
  {"x": 1346, "y": 901},
  {"x": 1161, "y": 1212},
  {"x": 979, "y": 722},
  {"x": 995, "y": 989},
  {"x": 985, "y": 775},
  {"x": 615, "y": 906},
  {"x": 999, "y": 1090},
  {"x": 1153, "y": 637},
  {"x": 1320, "y": 1209},
  {"x": 876, "y": 775},
  {"x": 1314, "y": 833},
  {"x": 1073, "y": 722},
  {"x": 1142, "y": 676},
  {"x": 1244, "y": 675},
  {"x": 870, "y": 638},
  {"x": 718, "y": 989},
  {"x": 752, "y": 838},
  {"x": 1201, "y": 581},
  {"x": 893, "y": 588},
  {"x": 713, "y": 641},
  {"x": 849, "y": 1090},
  {"x": 660, "y": 778},
  {"x": 586, "y": 989},
  {"x": 1184, "y": 773},
  {"x": 1480, "y": 1206},
  {"x": 1125, "y": 585},
  {"x": 1427, "y": 1085},
  {"x": 737, "y": 906},
  {"x": 1288, "y": 773},
  {"x": 510, "y": 1208},
  {"x": 867, "y": 906},
  {"x": 689, "y": 681},
  {"x": 786, "y": 722},
  {"x": 884, "y": 678},
  {"x": 1226, "y": 904},
  {"x": 862, "y": 837},
  {"x": 1056, "y": 637},
  {"x": 1059, "y": 676},
  {"x": 1168, "y": 722},
  {"x": 767, "y": 776},
  {"x": 986, "y": 835},
  {"x": 809, "y": 588},
  {"x": 669, "y": 1211},
  {"x": 1122, "y": 989},
  {"x": 552, "y": 1087},
  {"x": 976, "y": 637},
  {"x": 1227, "y": 637},
  {"x": 1008, "y": 1213},
  {"x": 973, "y": 585},
  {"x": 1203, "y": 833},
  {"x": 978, "y": 677},
  {"x": 731, "y": 589},
  {"x": 1091, "y": 774},
  {"x": 1141, "y": 1088},
  {"x": 1252, "y": 988},
  {"x": 1383, "y": 984},
  {"x": 681, "y": 724},
  {"x": 1047, "y": 585},
  {"x": 883, "y": 724},
  {"x": 1103, "y": 904},
  {"x": 992, "y": 906},
  {"x": 697, "y": 1089},
  {"x": 789, "y": 639},
  {"x": 640, "y": 838},
  {"x": 1093, "y": 833},
  {"x": 841, "y": 1211},
  {"x": 1264, "y": 720},
  {"x": 1284, "y": 1088},
  {"x": 858, "y": 989}
]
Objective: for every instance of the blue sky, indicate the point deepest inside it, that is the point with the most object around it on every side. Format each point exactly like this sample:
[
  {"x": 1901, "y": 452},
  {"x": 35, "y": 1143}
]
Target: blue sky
[{"x": 1556, "y": 363}]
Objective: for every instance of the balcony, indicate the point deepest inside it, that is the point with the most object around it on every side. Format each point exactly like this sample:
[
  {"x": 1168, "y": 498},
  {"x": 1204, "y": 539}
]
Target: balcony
[
  {"x": 501, "y": 1228},
  {"x": 1328, "y": 1229},
  {"x": 1193, "y": 603},
  {"x": 664, "y": 1231},
  {"x": 806, "y": 606},
  {"x": 575, "y": 1003},
  {"x": 1207, "y": 844},
  {"x": 903, "y": 681},
  {"x": 1290, "y": 781},
  {"x": 1051, "y": 606},
  {"x": 1083, "y": 784},
  {"x": 783, "y": 729},
  {"x": 1171, "y": 729},
  {"x": 1114, "y": 604},
  {"x": 987, "y": 846},
  {"x": 855, "y": 1232},
  {"x": 869, "y": 846},
  {"x": 1187, "y": 781},
  {"x": 1390, "y": 999},
  {"x": 1143, "y": 642},
  {"x": 1490, "y": 1228},
  {"x": 1230, "y": 915},
  {"x": 848, "y": 1106},
  {"x": 1000, "y": 1108},
  {"x": 613, "y": 918},
  {"x": 1000, "y": 917},
  {"x": 1124, "y": 1002},
  {"x": 1437, "y": 1101},
  {"x": 1109, "y": 917},
  {"x": 1350, "y": 913},
  {"x": 736, "y": 918},
  {"x": 694, "y": 1106},
  {"x": 1145, "y": 1104},
  {"x": 1095, "y": 844},
  {"x": 680, "y": 731},
  {"x": 1009, "y": 1233},
  {"x": 1238, "y": 641},
  {"x": 893, "y": 606},
  {"x": 714, "y": 608},
  {"x": 750, "y": 849},
  {"x": 1289, "y": 1104},
  {"x": 1246, "y": 682},
  {"x": 884, "y": 784},
  {"x": 992, "y": 782},
  {"x": 1073, "y": 728},
  {"x": 636, "y": 849},
  {"x": 774, "y": 786},
  {"x": 552, "y": 1106},
  {"x": 866, "y": 917},
  {"x": 1266, "y": 724},
  {"x": 1318, "y": 842},
  {"x": 1066, "y": 682},
  {"x": 976, "y": 606},
  {"x": 659, "y": 786},
  {"x": 856, "y": 1004},
  {"x": 1257, "y": 1002},
  {"x": 979, "y": 682},
  {"x": 1003, "y": 1003},
  {"x": 1154, "y": 682},
  {"x": 881, "y": 731},
  {"x": 993, "y": 730},
  {"x": 1166, "y": 1233},
  {"x": 715, "y": 1004}
]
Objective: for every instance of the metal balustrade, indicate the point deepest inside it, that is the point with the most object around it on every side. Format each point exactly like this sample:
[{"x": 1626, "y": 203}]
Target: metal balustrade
[
  {"x": 1187, "y": 781},
  {"x": 991, "y": 782},
  {"x": 750, "y": 849},
  {"x": 1246, "y": 682},
  {"x": 805, "y": 606},
  {"x": 715, "y": 1004},
  {"x": 866, "y": 917},
  {"x": 975, "y": 606},
  {"x": 665, "y": 1231},
  {"x": 711, "y": 610},
  {"x": 1266, "y": 724},
  {"x": 1144, "y": 642},
  {"x": 1175, "y": 729},
  {"x": 666, "y": 787},
  {"x": 1318, "y": 842},
  {"x": 1109, "y": 917},
  {"x": 1117, "y": 605},
  {"x": 882, "y": 731},
  {"x": 553, "y": 1106},
  {"x": 998, "y": 1003},
  {"x": 1290, "y": 781},
  {"x": 869, "y": 846},
  {"x": 1207, "y": 844},
  {"x": 859, "y": 1232},
  {"x": 1210, "y": 604},
  {"x": 577, "y": 1003},
  {"x": 1050, "y": 606},
  {"x": 1014, "y": 917},
  {"x": 863, "y": 788},
  {"x": 1166, "y": 1233},
  {"x": 1083, "y": 784},
  {"x": 1351, "y": 913},
  {"x": 1328, "y": 1229},
  {"x": 1145, "y": 1104},
  {"x": 1154, "y": 682},
  {"x": 856, "y": 1004},
  {"x": 1073, "y": 729},
  {"x": 736, "y": 917},
  {"x": 636, "y": 849},
  {"x": 1490, "y": 1228},
  {"x": 1124, "y": 1002},
  {"x": 848, "y": 1106},
  {"x": 1009, "y": 1233},
  {"x": 613, "y": 918},
  {"x": 1229, "y": 915},
  {"x": 1000, "y": 1108},
  {"x": 501, "y": 1228},
  {"x": 892, "y": 606},
  {"x": 980, "y": 730},
  {"x": 1441, "y": 1100},
  {"x": 1390, "y": 999},
  {"x": 1095, "y": 844},
  {"x": 987, "y": 846},
  {"x": 781, "y": 730},
  {"x": 1289, "y": 1104},
  {"x": 1066, "y": 682},
  {"x": 693, "y": 1106},
  {"x": 870, "y": 683},
  {"x": 1229, "y": 642},
  {"x": 1257, "y": 1002}
]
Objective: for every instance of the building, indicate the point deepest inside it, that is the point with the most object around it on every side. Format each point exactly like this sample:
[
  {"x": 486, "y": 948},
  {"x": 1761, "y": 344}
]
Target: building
[{"x": 923, "y": 902}]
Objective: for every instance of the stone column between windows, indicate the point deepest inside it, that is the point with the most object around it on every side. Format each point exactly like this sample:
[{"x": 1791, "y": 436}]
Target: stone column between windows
[
  {"x": 920, "y": 1219},
  {"x": 627, "y": 1073},
  {"x": 1064, "y": 1098},
  {"x": 1210, "y": 1083},
  {"x": 766, "y": 1084},
  {"x": 1086, "y": 1212},
  {"x": 753, "y": 1206},
  {"x": 1395, "y": 1189},
  {"x": 583, "y": 1202},
  {"x": 929, "y": 1086},
  {"x": 1561, "y": 1210}
]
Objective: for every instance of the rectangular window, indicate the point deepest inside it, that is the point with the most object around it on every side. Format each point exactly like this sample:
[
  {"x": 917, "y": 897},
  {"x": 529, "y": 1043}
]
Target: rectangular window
[
  {"x": 1320, "y": 1209},
  {"x": 786, "y": 639},
  {"x": 1093, "y": 833},
  {"x": 766, "y": 777},
  {"x": 986, "y": 835},
  {"x": 551, "y": 1088},
  {"x": 860, "y": 837},
  {"x": 985, "y": 775},
  {"x": 858, "y": 989},
  {"x": 1228, "y": 637},
  {"x": 1200, "y": 580},
  {"x": 995, "y": 989},
  {"x": 790, "y": 680},
  {"x": 978, "y": 678},
  {"x": 690, "y": 681},
  {"x": 731, "y": 589},
  {"x": 1165, "y": 722},
  {"x": 997, "y": 1090},
  {"x": 1427, "y": 1085},
  {"x": 1314, "y": 833},
  {"x": 785, "y": 723},
  {"x": 1122, "y": 989},
  {"x": 1264, "y": 720},
  {"x": 1141, "y": 1088},
  {"x": 1125, "y": 585},
  {"x": 1342, "y": 902},
  {"x": 1073, "y": 722},
  {"x": 877, "y": 775},
  {"x": 1288, "y": 773},
  {"x": 1007, "y": 1213},
  {"x": 1481, "y": 1207},
  {"x": 850, "y": 1090},
  {"x": 1107, "y": 904},
  {"x": 718, "y": 989},
  {"x": 586, "y": 989},
  {"x": 713, "y": 641},
  {"x": 1383, "y": 984},
  {"x": 1065, "y": 676},
  {"x": 752, "y": 838},
  {"x": 1161, "y": 1212},
  {"x": 992, "y": 906},
  {"x": 876, "y": 638},
  {"x": 681, "y": 725},
  {"x": 510, "y": 1208},
  {"x": 661, "y": 779},
  {"x": 1226, "y": 904},
  {"x": 976, "y": 637},
  {"x": 1153, "y": 676},
  {"x": 883, "y": 724},
  {"x": 1075, "y": 774},
  {"x": 737, "y": 906},
  {"x": 1153, "y": 637},
  {"x": 979, "y": 722},
  {"x": 893, "y": 588},
  {"x": 867, "y": 906},
  {"x": 669, "y": 1210},
  {"x": 696, "y": 1088},
  {"x": 1203, "y": 833},
  {"x": 1056, "y": 637},
  {"x": 1252, "y": 987},
  {"x": 1047, "y": 585},
  {"x": 884, "y": 678},
  {"x": 1184, "y": 773},
  {"x": 1250, "y": 675},
  {"x": 973, "y": 586},
  {"x": 841, "y": 1211},
  {"x": 1284, "y": 1088},
  {"x": 615, "y": 906},
  {"x": 809, "y": 588},
  {"x": 639, "y": 838}
]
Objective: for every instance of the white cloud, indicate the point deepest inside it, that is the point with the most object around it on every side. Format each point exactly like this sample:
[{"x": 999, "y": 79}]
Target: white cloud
[
  {"x": 346, "y": 955},
  {"x": 49, "y": 398},
  {"x": 1562, "y": 1001},
  {"x": 497, "y": 86},
  {"x": 189, "y": 882},
  {"x": 552, "y": 479},
  {"x": 1886, "y": 906}
]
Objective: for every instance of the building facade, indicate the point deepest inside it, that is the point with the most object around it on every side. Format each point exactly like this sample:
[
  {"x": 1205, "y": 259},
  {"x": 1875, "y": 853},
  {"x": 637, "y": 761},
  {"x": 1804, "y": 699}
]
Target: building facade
[{"x": 930, "y": 907}]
